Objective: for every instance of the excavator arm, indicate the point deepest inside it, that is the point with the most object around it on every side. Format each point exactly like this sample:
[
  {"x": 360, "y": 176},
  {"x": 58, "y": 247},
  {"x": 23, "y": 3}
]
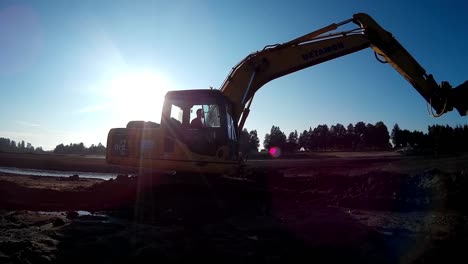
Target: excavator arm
[
  {"x": 441, "y": 97},
  {"x": 274, "y": 61}
]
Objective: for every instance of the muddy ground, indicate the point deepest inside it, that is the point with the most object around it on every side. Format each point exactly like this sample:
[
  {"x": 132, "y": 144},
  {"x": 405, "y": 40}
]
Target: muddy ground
[{"x": 334, "y": 209}]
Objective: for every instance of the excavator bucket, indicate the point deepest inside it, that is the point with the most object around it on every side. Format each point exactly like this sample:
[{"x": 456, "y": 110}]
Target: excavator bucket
[{"x": 459, "y": 98}]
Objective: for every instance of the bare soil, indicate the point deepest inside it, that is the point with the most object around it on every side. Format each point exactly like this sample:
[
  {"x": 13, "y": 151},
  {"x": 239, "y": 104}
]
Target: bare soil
[{"x": 351, "y": 208}]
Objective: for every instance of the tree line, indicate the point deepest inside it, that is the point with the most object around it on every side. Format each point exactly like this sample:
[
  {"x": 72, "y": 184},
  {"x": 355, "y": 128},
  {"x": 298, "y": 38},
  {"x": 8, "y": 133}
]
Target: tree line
[
  {"x": 354, "y": 137},
  {"x": 80, "y": 148},
  {"x": 8, "y": 145},
  {"x": 438, "y": 139}
]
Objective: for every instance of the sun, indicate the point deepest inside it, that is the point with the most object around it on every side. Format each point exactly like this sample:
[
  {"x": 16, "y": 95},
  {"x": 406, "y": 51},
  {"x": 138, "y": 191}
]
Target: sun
[{"x": 138, "y": 95}]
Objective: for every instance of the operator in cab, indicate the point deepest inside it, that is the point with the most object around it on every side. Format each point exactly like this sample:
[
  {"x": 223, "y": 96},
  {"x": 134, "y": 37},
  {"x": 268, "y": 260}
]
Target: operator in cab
[{"x": 197, "y": 121}]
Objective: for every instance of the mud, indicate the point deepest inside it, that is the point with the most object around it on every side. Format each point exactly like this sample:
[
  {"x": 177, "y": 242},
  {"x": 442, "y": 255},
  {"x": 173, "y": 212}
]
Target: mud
[{"x": 266, "y": 215}]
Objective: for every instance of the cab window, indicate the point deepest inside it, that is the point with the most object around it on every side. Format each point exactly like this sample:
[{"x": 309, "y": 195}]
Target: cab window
[{"x": 210, "y": 114}]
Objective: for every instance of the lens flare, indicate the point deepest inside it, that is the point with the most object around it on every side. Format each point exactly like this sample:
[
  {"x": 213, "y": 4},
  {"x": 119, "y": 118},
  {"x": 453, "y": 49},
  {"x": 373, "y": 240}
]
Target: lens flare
[{"x": 275, "y": 152}]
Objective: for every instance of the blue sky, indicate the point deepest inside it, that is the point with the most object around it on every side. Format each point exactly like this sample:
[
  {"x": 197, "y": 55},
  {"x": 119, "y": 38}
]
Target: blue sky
[{"x": 68, "y": 68}]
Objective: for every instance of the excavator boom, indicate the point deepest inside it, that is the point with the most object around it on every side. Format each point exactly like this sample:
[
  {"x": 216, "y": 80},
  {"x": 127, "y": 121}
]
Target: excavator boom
[{"x": 273, "y": 62}]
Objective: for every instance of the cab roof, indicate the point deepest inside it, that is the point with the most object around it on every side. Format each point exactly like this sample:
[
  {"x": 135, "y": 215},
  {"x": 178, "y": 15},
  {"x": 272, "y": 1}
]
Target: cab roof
[{"x": 194, "y": 94}]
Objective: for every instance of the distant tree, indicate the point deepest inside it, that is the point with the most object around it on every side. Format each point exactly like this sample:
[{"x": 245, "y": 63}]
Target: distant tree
[
  {"x": 276, "y": 138},
  {"x": 248, "y": 141},
  {"x": 13, "y": 146},
  {"x": 370, "y": 136},
  {"x": 349, "y": 137},
  {"x": 99, "y": 149},
  {"x": 254, "y": 142},
  {"x": 337, "y": 136},
  {"x": 322, "y": 133},
  {"x": 405, "y": 138},
  {"x": 292, "y": 142},
  {"x": 359, "y": 132},
  {"x": 312, "y": 139},
  {"x": 445, "y": 139},
  {"x": 5, "y": 144},
  {"x": 38, "y": 150},
  {"x": 80, "y": 148},
  {"x": 382, "y": 137},
  {"x": 302, "y": 140},
  {"x": 396, "y": 136},
  {"x": 266, "y": 141},
  {"x": 59, "y": 149},
  {"x": 419, "y": 139}
]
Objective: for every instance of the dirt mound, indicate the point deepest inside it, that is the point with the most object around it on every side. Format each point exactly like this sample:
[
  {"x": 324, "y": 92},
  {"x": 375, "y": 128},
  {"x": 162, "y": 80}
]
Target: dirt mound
[
  {"x": 375, "y": 190},
  {"x": 432, "y": 189},
  {"x": 100, "y": 196}
]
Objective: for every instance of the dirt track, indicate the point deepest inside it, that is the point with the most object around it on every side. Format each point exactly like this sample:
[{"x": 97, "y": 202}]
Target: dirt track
[
  {"x": 384, "y": 209},
  {"x": 328, "y": 162}
]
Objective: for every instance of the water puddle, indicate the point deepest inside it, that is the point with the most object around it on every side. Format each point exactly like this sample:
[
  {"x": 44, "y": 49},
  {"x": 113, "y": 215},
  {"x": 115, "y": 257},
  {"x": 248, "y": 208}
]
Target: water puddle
[
  {"x": 81, "y": 216},
  {"x": 61, "y": 213},
  {"x": 34, "y": 172}
]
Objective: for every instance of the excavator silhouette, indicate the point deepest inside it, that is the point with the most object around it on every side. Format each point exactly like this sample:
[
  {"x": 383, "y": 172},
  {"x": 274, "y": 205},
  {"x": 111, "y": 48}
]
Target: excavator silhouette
[{"x": 175, "y": 145}]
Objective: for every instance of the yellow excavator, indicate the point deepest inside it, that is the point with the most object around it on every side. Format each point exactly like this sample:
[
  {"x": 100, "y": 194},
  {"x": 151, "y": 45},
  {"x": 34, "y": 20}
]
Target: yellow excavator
[{"x": 199, "y": 129}]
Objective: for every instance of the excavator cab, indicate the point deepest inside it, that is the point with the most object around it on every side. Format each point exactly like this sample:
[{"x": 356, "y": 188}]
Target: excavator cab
[
  {"x": 218, "y": 129},
  {"x": 177, "y": 143}
]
